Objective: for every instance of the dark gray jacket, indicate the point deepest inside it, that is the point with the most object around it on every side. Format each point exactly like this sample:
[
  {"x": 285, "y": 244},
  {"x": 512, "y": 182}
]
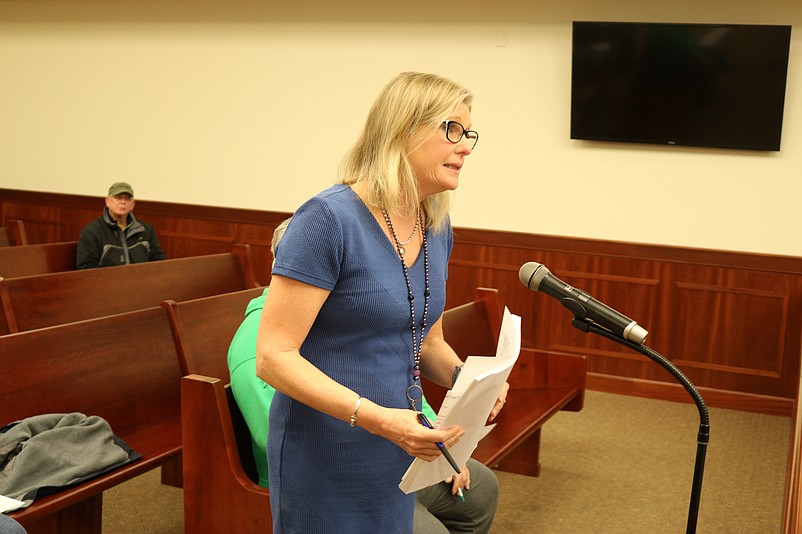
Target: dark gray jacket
[
  {"x": 103, "y": 243},
  {"x": 45, "y": 452}
]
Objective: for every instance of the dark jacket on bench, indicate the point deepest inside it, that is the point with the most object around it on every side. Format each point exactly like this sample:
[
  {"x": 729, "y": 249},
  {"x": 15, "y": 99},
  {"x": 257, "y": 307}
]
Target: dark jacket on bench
[{"x": 103, "y": 244}]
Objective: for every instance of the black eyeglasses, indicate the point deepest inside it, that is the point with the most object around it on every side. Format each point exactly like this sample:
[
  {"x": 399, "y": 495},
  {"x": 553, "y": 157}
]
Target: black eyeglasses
[{"x": 456, "y": 131}]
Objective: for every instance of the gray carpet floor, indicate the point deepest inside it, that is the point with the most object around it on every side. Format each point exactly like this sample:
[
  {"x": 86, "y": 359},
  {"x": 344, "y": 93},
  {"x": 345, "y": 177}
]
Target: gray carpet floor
[
  {"x": 621, "y": 465},
  {"x": 625, "y": 465}
]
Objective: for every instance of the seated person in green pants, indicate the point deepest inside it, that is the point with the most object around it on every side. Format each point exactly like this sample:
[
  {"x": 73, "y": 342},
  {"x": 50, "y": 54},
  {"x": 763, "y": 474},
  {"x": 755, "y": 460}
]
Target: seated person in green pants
[{"x": 438, "y": 508}]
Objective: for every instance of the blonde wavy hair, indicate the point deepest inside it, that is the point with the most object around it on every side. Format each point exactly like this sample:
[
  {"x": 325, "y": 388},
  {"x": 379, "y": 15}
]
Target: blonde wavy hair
[{"x": 410, "y": 103}]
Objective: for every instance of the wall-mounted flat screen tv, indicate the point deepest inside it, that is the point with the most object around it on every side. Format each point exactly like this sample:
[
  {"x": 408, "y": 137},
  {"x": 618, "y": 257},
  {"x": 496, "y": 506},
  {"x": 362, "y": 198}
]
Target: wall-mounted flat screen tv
[{"x": 705, "y": 85}]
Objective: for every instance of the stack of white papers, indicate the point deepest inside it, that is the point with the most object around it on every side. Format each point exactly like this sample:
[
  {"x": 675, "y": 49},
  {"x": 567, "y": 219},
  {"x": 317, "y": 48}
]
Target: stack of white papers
[
  {"x": 468, "y": 404},
  {"x": 7, "y": 504}
]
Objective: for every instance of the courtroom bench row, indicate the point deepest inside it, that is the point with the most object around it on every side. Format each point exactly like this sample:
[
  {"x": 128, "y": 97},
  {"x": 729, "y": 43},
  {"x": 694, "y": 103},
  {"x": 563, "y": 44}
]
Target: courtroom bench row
[
  {"x": 134, "y": 383},
  {"x": 42, "y": 300}
]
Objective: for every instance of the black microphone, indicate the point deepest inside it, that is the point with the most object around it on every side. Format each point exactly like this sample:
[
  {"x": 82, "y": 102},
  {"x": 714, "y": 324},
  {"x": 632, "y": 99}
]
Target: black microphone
[{"x": 537, "y": 278}]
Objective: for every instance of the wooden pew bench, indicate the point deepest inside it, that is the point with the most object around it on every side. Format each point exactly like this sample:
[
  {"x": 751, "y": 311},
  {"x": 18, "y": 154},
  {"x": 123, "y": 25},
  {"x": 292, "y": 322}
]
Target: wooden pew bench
[
  {"x": 31, "y": 260},
  {"x": 204, "y": 328},
  {"x": 223, "y": 496},
  {"x": 541, "y": 384},
  {"x": 37, "y": 259},
  {"x": 31, "y": 302},
  {"x": 124, "y": 368},
  {"x": 558, "y": 383}
]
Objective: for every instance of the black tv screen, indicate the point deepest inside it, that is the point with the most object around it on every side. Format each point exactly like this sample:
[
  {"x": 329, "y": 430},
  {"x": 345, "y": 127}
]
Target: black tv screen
[{"x": 706, "y": 85}]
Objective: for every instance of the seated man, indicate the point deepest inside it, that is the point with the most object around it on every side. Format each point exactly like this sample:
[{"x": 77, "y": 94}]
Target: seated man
[
  {"x": 117, "y": 237},
  {"x": 438, "y": 508}
]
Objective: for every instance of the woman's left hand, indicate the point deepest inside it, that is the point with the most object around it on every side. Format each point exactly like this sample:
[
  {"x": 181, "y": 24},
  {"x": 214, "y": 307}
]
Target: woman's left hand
[{"x": 502, "y": 398}]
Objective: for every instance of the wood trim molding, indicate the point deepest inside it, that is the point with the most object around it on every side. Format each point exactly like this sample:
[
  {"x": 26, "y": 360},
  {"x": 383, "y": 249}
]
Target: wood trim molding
[
  {"x": 675, "y": 392},
  {"x": 792, "y": 517}
]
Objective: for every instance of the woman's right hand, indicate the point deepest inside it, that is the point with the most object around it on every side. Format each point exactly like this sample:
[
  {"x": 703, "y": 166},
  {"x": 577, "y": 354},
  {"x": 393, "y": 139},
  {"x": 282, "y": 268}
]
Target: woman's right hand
[{"x": 402, "y": 427}]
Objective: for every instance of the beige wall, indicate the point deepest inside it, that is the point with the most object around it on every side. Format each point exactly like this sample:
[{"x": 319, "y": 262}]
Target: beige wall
[{"x": 252, "y": 104}]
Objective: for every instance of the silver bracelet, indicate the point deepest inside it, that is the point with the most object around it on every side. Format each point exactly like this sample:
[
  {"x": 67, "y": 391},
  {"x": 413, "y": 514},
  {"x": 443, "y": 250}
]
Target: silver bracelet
[{"x": 356, "y": 410}]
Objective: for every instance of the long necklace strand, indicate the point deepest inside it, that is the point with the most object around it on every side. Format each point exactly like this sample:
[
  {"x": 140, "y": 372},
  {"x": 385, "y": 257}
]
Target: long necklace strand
[
  {"x": 401, "y": 244},
  {"x": 417, "y": 338}
]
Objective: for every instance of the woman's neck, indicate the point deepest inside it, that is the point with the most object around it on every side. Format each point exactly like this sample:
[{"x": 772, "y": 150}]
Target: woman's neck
[{"x": 402, "y": 212}]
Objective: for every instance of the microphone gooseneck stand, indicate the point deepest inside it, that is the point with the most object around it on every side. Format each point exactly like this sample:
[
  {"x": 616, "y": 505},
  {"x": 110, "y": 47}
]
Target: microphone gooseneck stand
[{"x": 586, "y": 325}]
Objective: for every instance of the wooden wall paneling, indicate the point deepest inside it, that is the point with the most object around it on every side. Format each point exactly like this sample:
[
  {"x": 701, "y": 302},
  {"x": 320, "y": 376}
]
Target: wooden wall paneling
[
  {"x": 731, "y": 321},
  {"x": 49, "y": 217},
  {"x": 183, "y": 230},
  {"x": 547, "y": 325},
  {"x": 732, "y": 329},
  {"x": 624, "y": 285},
  {"x": 744, "y": 349},
  {"x": 181, "y": 237},
  {"x": 673, "y": 391},
  {"x": 199, "y": 230},
  {"x": 45, "y": 224}
]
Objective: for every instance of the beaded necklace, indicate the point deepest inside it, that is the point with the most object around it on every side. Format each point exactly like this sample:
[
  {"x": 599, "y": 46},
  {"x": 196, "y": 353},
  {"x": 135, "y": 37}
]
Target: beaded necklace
[
  {"x": 402, "y": 244},
  {"x": 414, "y": 391}
]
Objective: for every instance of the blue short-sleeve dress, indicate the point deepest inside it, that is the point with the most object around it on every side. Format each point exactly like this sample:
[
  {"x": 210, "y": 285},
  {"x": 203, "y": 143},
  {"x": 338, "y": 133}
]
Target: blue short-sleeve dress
[{"x": 326, "y": 477}]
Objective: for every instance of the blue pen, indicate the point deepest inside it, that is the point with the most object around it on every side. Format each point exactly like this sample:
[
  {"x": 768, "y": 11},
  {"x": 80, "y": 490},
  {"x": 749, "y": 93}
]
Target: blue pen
[{"x": 425, "y": 422}]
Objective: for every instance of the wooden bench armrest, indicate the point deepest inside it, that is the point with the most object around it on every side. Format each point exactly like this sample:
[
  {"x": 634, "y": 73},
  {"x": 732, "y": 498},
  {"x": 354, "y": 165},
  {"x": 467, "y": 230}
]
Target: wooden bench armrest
[
  {"x": 13, "y": 233},
  {"x": 218, "y": 494},
  {"x": 18, "y": 233}
]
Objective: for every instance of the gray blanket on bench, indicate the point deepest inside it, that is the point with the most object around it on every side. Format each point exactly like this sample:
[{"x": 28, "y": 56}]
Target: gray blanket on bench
[{"x": 44, "y": 453}]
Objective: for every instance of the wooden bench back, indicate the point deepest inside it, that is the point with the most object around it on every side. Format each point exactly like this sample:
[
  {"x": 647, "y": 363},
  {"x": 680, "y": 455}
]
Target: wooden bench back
[
  {"x": 220, "y": 494},
  {"x": 471, "y": 329},
  {"x": 13, "y": 233},
  {"x": 204, "y": 328},
  {"x": 546, "y": 384},
  {"x": 37, "y": 259},
  {"x": 123, "y": 368},
  {"x": 44, "y": 300},
  {"x": 217, "y": 491}
]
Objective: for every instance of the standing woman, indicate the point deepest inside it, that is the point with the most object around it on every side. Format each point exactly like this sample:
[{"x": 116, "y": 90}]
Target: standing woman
[{"x": 352, "y": 318}]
